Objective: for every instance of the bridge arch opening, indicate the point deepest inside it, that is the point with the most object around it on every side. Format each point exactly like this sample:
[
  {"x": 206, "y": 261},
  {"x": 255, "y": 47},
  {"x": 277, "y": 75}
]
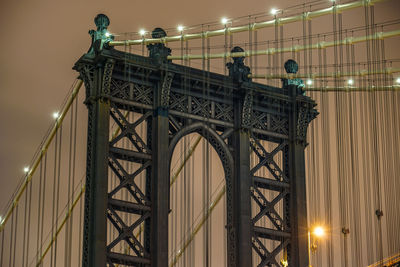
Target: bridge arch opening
[{"x": 200, "y": 165}]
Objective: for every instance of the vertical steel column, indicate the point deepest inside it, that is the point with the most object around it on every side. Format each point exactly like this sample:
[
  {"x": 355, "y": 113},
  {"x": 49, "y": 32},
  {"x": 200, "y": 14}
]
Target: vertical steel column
[
  {"x": 298, "y": 204},
  {"x": 159, "y": 184},
  {"x": 147, "y": 223},
  {"x": 95, "y": 224},
  {"x": 241, "y": 185}
]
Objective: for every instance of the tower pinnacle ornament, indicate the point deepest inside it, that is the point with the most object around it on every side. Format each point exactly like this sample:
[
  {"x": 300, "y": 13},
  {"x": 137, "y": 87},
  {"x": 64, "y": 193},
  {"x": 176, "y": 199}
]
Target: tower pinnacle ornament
[
  {"x": 292, "y": 67},
  {"x": 101, "y": 36},
  {"x": 238, "y": 70}
]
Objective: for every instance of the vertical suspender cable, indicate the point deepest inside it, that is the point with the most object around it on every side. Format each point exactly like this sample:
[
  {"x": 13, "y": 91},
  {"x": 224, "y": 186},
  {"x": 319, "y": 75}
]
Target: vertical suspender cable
[
  {"x": 377, "y": 169},
  {"x": 73, "y": 170},
  {"x": 369, "y": 218},
  {"x": 377, "y": 109},
  {"x": 226, "y": 93},
  {"x": 29, "y": 219},
  {"x": 15, "y": 235},
  {"x": 388, "y": 142},
  {"x": 325, "y": 106},
  {"x": 11, "y": 237},
  {"x": 184, "y": 199},
  {"x": 276, "y": 44},
  {"x": 204, "y": 256},
  {"x": 304, "y": 24},
  {"x": 282, "y": 58},
  {"x": 338, "y": 142},
  {"x": 396, "y": 125},
  {"x": 395, "y": 188},
  {"x": 39, "y": 209},
  {"x": 255, "y": 69},
  {"x": 24, "y": 234},
  {"x": 250, "y": 36},
  {"x": 320, "y": 173},
  {"x": 355, "y": 181},
  {"x": 53, "y": 214},
  {"x": 269, "y": 67},
  {"x": 344, "y": 98},
  {"x": 80, "y": 230},
  {"x": 2, "y": 247},
  {"x": 43, "y": 204},
  {"x": 58, "y": 192},
  {"x": 207, "y": 159},
  {"x": 67, "y": 230}
]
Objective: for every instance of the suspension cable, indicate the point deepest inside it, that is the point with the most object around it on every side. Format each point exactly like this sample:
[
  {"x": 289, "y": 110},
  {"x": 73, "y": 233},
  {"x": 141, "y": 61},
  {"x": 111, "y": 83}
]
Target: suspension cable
[
  {"x": 254, "y": 26},
  {"x": 55, "y": 235},
  {"x": 295, "y": 48},
  {"x": 46, "y": 145}
]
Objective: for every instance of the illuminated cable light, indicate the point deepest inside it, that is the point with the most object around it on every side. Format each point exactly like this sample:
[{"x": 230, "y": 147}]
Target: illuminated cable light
[
  {"x": 350, "y": 81},
  {"x": 309, "y": 82},
  {"x": 142, "y": 32},
  {"x": 180, "y": 28},
  {"x": 55, "y": 115},
  {"x": 274, "y": 11},
  {"x": 224, "y": 20},
  {"x": 26, "y": 169},
  {"x": 398, "y": 80},
  {"x": 319, "y": 231},
  {"x": 108, "y": 34}
]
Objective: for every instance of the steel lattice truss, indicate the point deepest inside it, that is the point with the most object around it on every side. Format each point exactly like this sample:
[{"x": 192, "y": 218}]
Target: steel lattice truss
[
  {"x": 139, "y": 206},
  {"x": 279, "y": 223}
]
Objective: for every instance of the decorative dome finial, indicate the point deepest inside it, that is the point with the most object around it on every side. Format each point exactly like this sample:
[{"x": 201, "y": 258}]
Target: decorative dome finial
[
  {"x": 291, "y": 66},
  {"x": 101, "y": 21},
  {"x": 158, "y": 33}
]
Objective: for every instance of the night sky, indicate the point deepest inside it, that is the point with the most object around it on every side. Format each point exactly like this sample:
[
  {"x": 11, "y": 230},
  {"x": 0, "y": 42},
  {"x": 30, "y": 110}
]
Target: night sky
[{"x": 42, "y": 39}]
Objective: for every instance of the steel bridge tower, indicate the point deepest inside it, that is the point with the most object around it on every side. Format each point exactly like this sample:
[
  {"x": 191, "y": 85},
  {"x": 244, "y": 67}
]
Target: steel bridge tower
[{"x": 235, "y": 115}]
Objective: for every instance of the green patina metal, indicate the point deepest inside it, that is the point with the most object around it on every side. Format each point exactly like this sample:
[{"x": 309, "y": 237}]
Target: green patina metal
[
  {"x": 292, "y": 67},
  {"x": 100, "y": 37}
]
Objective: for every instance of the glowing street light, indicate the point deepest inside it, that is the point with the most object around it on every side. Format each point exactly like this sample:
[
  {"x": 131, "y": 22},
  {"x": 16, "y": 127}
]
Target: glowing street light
[
  {"x": 142, "y": 32},
  {"x": 26, "y": 169},
  {"x": 274, "y": 11},
  {"x": 309, "y": 82},
  {"x": 224, "y": 20},
  {"x": 319, "y": 231},
  {"x": 108, "y": 34},
  {"x": 398, "y": 80},
  {"x": 55, "y": 115},
  {"x": 350, "y": 81},
  {"x": 180, "y": 28}
]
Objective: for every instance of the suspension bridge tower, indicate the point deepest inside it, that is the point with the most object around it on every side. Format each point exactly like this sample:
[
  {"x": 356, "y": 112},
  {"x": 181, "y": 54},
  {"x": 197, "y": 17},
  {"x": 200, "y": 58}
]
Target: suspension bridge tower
[{"x": 235, "y": 115}]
